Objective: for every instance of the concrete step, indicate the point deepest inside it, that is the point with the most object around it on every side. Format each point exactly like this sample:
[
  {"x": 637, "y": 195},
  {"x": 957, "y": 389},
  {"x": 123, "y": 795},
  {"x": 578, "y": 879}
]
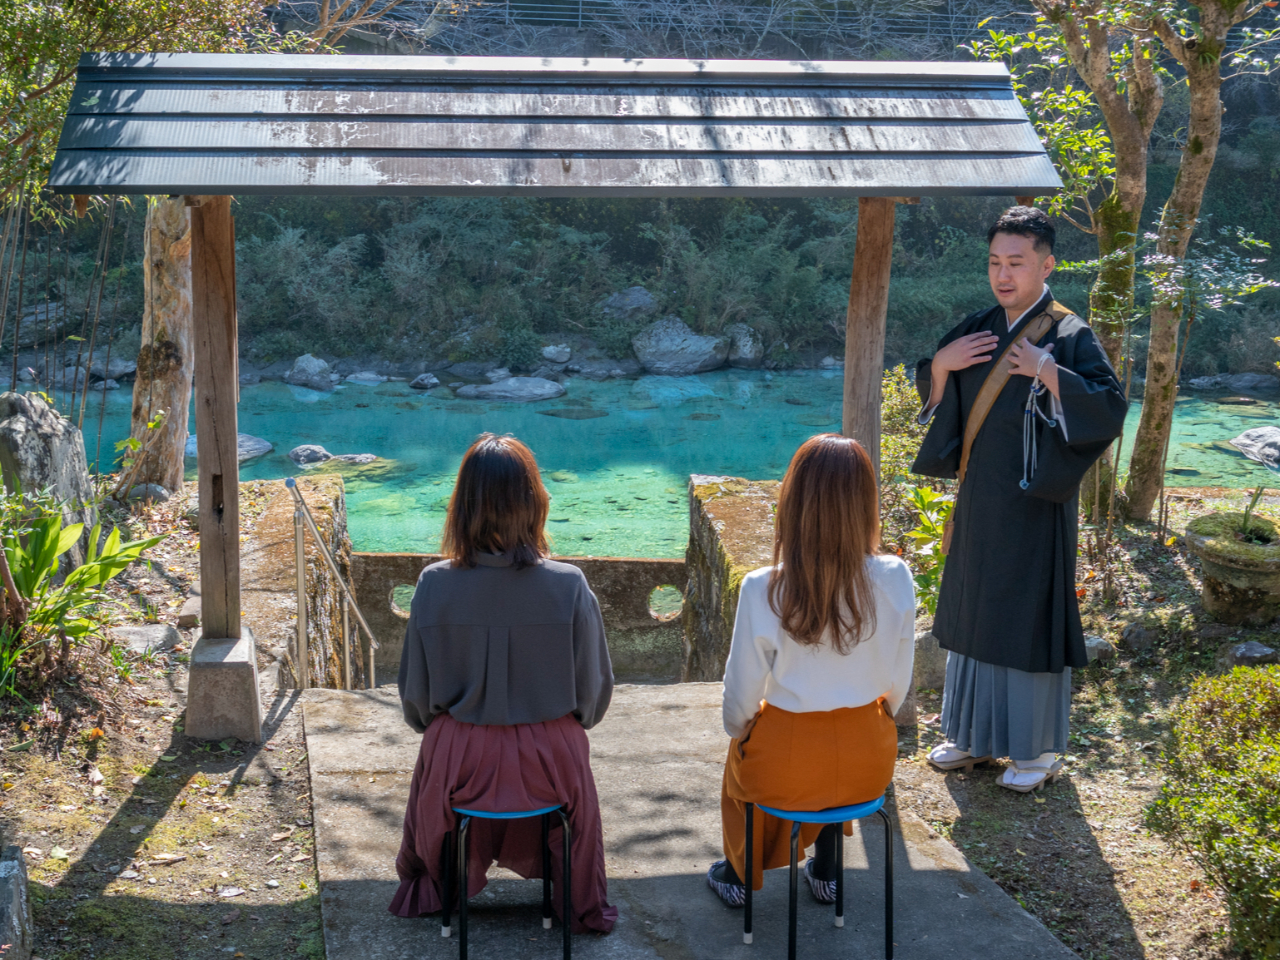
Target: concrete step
[{"x": 658, "y": 759}]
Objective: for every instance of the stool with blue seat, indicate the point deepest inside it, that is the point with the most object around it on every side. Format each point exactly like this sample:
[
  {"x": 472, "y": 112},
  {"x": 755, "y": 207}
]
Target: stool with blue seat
[
  {"x": 456, "y": 868},
  {"x": 832, "y": 815}
]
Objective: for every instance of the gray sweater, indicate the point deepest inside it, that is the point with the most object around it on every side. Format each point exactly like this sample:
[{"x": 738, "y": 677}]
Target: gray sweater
[{"x": 495, "y": 646}]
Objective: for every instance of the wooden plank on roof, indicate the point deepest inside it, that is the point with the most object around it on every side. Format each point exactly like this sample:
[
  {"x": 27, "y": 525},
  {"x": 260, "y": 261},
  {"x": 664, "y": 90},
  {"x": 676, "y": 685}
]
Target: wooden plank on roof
[
  {"x": 529, "y": 101},
  {"x": 153, "y": 172},
  {"x": 491, "y": 138}
]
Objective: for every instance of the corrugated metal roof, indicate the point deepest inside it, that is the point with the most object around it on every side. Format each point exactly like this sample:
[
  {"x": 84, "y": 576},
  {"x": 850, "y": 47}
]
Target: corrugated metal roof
[{"x": 515, "y": 126}]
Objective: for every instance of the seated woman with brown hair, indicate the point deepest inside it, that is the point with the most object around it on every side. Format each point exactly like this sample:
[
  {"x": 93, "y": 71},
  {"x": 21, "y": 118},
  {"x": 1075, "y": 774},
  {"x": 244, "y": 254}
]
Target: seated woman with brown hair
[
  {"x": 504, "y": 670},
  {"x": 821, "y": 659}
]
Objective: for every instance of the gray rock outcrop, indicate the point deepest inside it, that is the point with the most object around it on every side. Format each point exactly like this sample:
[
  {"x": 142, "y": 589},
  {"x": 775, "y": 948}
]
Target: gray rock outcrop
[
  {"x": 1261, "y": 444},
  {"x": 147, "y": 493},
  {"x": 103, "y": 386},
  {"x": 247, "y": 447},
  {"x": 629, "y": 304},
  {"x": 147, "y": 638},
  {"x": 669, "y": 348},
  {"x": 498, "y": 375},
  {"x": 604, "y": 369},
  {"x": 1249, "y": 384},
  {"x": 1099, "y": 648},
  {"x": 1251, "y": 653},
  {"x": 472, "y": 369},
  {"x": 309, "y": 453},
  {"x": 516, "y": 389},
  {"x": 424, "y": 381},
  {"x": 116, "y": 369},
  {"x": 558, "y": 353},
  {"x": 746, "y": 349},
  {"x": 309, "y": 371},
  {"x": 40, "y": 449}
]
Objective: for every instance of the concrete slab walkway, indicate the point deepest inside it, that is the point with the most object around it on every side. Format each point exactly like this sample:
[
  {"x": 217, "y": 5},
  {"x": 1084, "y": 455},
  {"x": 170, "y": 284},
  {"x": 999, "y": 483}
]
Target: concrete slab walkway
[{"x": 658, "y": 759}]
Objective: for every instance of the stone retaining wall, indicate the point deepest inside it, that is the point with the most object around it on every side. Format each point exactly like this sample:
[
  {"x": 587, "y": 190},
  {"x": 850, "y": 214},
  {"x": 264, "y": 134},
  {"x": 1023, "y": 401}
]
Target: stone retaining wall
[{"x": 643, "y": 647}]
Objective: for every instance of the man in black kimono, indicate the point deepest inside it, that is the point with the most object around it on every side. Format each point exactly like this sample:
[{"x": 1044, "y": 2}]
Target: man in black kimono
[{"x": 1007, "y": 611}]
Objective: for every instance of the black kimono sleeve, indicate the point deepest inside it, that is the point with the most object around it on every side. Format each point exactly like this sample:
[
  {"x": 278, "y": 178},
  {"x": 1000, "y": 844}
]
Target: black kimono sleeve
[
  {"x": 939, "y": 454},
  {"x": 1093, "y": 412}
]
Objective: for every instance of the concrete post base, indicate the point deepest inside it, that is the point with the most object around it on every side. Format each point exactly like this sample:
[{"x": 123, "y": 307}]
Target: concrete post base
[
  {"x": 17, "y": 933},
  {"x": 222, "y": 692}
]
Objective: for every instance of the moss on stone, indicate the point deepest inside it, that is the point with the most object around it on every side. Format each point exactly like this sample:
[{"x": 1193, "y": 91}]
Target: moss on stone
[{"x": 1215, "y": 533}]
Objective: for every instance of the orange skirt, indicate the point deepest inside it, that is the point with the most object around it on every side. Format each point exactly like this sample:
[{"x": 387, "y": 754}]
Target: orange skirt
[{"x": 801, "y": 761}]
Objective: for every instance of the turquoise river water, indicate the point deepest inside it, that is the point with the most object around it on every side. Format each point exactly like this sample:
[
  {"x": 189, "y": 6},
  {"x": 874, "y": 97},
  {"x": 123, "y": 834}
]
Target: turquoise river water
[{"x": 616, "y": 455}]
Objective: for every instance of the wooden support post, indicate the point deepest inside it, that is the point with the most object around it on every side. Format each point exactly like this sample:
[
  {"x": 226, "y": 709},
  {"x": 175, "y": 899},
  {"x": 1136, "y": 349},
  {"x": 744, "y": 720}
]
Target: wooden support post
[
  {"x": 213, "y": 308},
  {"x": 865, "y": 322}
]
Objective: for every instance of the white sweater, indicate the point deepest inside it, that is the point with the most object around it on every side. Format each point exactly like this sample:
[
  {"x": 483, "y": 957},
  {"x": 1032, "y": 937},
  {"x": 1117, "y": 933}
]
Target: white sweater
[{"x": 766, "y": 664}]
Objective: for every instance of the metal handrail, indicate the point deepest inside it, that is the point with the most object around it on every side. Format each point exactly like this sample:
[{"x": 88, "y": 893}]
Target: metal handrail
[{"x": 302, "y": 516}]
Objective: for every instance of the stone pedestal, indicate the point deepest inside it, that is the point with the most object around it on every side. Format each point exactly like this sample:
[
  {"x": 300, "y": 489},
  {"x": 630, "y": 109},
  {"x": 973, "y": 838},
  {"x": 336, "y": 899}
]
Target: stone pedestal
[
  {"x": 17, "y": 933},
  {"x": 222, "y": 691}
]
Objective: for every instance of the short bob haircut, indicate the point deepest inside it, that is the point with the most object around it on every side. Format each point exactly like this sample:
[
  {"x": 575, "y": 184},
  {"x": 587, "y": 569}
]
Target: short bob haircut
[
  {"x": 1029, "y": 222},
  {"x": 828, "y": 524},
  {"x": 499, "y": 504}
]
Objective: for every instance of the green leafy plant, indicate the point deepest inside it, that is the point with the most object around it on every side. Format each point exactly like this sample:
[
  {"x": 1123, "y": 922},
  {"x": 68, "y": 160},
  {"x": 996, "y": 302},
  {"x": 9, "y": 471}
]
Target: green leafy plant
[
  {"x": 35, "y": 538},
  {"x": 927, "y": 560},
  {"x": 1221, "y": 797},
  {"x": 1245, "y": 532},
  {"x": 121, "y": 665}
]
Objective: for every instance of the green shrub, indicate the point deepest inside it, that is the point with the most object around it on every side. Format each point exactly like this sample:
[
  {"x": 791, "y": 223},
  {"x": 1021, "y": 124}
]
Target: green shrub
[{"x": 1221, "y": 797}]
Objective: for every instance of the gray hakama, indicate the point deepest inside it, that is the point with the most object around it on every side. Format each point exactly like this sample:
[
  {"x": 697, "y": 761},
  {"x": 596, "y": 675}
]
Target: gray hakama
[{"x": 988, "y": 709}]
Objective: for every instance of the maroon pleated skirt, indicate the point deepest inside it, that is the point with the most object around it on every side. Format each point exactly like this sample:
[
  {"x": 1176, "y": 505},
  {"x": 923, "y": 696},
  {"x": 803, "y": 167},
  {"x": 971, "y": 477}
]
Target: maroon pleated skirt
[{"x": 521, "y": 767}]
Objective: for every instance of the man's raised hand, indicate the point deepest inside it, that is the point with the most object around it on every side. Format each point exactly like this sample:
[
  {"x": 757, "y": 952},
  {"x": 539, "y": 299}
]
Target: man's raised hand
[{"x": 964, "y": 352}]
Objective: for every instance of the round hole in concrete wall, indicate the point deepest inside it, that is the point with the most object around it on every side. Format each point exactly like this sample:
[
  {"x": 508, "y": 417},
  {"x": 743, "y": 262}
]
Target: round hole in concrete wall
[
  {"x": 665, "y": 602},
  {"x": 402, "y": 599}
]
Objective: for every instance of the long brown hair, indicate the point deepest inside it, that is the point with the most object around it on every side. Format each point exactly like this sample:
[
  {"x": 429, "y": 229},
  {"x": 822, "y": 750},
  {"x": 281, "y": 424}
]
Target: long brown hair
[
  {"x": 499, "y": 504},
  {"x": 828, "y": 523}
]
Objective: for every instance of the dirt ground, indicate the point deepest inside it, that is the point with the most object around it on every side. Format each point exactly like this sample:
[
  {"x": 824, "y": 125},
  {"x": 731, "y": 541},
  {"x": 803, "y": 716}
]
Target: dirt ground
[
  {"x": 1077, "y": 854},
  {"x": 187, "y": 849},
  {"x": 142, "y": 844}
]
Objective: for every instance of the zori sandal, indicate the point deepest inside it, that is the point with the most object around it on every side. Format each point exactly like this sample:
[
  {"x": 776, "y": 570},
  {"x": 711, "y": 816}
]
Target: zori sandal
[
  {"x": 1030, "y": 776},
  {"x": 947, "y": 756}
]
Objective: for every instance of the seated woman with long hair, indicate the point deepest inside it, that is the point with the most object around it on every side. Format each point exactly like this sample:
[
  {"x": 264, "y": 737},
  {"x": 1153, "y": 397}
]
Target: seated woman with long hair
[
  {"x": 821, "y": 659},
  {"x": 504, "y": 670}
]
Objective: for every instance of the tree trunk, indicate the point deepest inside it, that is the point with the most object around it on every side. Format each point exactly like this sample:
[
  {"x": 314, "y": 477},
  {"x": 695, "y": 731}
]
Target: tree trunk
[
  {"x": 1177, "y": 224},
  {"x": 166, "y": 362}
]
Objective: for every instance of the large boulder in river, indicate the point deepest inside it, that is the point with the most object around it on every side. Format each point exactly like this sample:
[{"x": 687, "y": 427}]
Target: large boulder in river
[
  {"x": 116, "y": 369},
  {"x": 746, "y": 349},
  {"x": 629, "y": 304},
  {"x": 309, "y": 453},
  {"x": 309, "y": 371},
  {"x": 557, "y": 353},
  {"x": 669, "y": 348},
  {"x": 247, "y": 447},
  {"x": 1261, "y": 444},
  {"x": 41, "y": 449},
  {"x": 518, "y": 389},
  {"x": 1249, "y": 384}
]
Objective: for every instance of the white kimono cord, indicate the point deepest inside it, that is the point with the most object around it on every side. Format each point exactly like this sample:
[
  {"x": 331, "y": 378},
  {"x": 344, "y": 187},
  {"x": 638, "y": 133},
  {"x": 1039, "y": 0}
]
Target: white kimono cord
[{"x": 1030, "y": 452}]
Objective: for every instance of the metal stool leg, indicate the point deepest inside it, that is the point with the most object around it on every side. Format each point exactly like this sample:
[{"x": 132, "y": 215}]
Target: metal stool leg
[
  {"x": 795, "y": 874},
  {"x": 751, "y": 840},
  {"x": 546, "y": 871},
  {"x": 447, "y": 864},
  {"x": 568, "y": 886},
  {"x": 840, "y": 875},
  {"x": 888, "y": 885},
  {"x": 463, "y": 837}
]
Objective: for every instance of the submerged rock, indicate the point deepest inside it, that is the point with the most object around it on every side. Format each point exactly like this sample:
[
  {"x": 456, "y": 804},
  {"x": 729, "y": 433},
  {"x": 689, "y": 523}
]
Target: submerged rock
[
  {"x": 559, "y": 353},
  {"x": 1245, "y": 383},
  {"x": 311, "y": 372},
  {"x": 357, "y": 458},
  {"x": 516, "y": 389},
  {"x": 669, "y": 348},
  {"x": 746, "y": 349},
  {"x": 1261, "y": 444},
  {"x": 248, "y": 447},
  {"x": 669, "y": 391},
  {"x": 629, "y": 304},
  {"x": 425, "y": 381},
  {"x": 366, "y": 376}
]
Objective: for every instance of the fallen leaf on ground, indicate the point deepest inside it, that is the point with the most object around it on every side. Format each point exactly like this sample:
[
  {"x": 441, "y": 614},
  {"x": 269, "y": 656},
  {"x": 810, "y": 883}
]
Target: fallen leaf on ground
[
  {"x": 57, "y": 853},
  {"x": 300, "y": 857},
  {"x": 285, "y": 835},
  {"x": 95, "y": 775},
  {"x": 232, "y": 917},
  {"x": 169, "y": 758},
  {"x": 273, "y": 859},
  {"x": 230, "y": 892},
  {"x": 137, "y": 829},
  {"x": 168, "y": 858}
]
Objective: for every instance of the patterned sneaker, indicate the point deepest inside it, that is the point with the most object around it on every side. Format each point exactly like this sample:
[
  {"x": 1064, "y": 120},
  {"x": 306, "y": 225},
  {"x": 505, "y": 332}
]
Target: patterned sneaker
[
  {"x": 824, "y": 891},
  {"x": 733, "y": 894}
]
